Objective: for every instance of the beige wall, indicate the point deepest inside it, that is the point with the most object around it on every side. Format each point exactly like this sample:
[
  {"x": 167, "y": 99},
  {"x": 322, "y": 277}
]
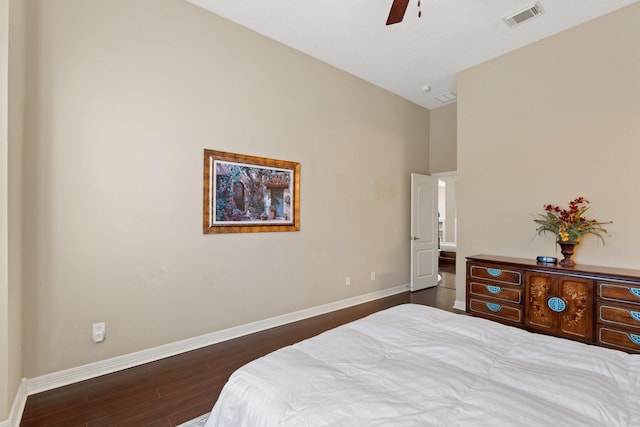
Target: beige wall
[
  {"x": 12, "y": 85},
  {"x": 443, "y": 142},
  {"x": 5, "y": 384},
  {"x": 545, "y": 124},
  {"x": 443, "y": 139},
  {"x": 123, "y": 96}
]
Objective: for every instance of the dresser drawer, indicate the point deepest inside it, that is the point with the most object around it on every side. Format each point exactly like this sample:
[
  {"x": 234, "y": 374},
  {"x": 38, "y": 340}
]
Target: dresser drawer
[
  {"x": 500, "y": 292},
  {"x": 496, "y": 274},
  {"x": 619, "y": 292},
  {"x": 618, "y": 338},
  {"x": 619, "y": 315},
  {"x": 493, "y": 310}
]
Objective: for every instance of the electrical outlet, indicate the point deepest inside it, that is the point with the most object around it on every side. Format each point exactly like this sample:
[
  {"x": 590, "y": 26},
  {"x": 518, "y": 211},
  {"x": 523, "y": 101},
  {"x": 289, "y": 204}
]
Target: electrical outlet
[
  {"x": 373, "y": 275},
  {"x": 99, "y": 330},
  {"x": 348, "y": 281}
]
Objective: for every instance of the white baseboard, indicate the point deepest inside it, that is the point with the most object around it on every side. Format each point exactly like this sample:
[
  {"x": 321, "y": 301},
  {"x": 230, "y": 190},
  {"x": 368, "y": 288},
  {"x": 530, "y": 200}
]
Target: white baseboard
[
  {"x": 92, "y": 370},
  {"x": 17, "y": 408},
  {"x": 460, "y": 305}
]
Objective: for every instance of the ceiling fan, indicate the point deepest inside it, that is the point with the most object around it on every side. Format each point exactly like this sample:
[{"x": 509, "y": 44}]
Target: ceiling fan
[{"x": 398, "y": 8}]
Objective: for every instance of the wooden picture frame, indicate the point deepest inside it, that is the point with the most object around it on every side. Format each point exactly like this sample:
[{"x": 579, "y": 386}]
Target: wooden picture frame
[{"x": 248, "y": 194}]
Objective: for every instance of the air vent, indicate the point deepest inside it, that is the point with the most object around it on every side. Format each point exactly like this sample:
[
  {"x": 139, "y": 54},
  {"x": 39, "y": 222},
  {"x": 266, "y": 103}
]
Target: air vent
[
  {"x": 523, "y": 15},
  {"x": 447, "y": 97}
]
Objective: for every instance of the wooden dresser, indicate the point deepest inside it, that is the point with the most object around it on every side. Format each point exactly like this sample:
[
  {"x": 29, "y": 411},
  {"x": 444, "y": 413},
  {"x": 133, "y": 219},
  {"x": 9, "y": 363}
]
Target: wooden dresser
[{"x": 596, "y": 305}]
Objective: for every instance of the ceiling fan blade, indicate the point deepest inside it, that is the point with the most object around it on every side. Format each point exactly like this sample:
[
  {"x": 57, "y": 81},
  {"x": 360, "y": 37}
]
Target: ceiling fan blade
[{"x": 398, "y": 9}]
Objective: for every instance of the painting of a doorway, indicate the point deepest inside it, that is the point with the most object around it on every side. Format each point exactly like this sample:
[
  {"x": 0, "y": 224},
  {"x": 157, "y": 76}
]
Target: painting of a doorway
[{"x": 245, "y": 194}]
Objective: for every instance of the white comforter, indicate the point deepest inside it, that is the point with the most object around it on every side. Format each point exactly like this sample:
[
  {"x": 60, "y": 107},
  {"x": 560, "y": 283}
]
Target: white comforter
[{"x": 414, "y": 365}]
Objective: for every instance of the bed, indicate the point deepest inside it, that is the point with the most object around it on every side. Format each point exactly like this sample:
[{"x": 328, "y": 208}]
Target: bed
[{"x": 413, "y": 365}]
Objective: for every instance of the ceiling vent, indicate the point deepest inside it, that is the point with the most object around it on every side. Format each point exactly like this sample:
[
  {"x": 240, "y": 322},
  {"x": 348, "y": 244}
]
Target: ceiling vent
[
  {"x": 523, "y": 15},
  {"x": 447, "y": 97}
]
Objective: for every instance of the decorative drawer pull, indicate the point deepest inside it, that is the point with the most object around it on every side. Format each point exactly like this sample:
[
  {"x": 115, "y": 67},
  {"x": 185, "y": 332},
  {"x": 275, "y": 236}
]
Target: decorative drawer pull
[
  {"x": 635, "y": 315},
  {"x": 634, "y": 338},
  {"x": 635, "y": 291},
  {"x": 497, "y": 307},
  {"x": 494, "y": 289},
  {"x": 495, "y": 272},
  {"x": 556, "y": 304}
]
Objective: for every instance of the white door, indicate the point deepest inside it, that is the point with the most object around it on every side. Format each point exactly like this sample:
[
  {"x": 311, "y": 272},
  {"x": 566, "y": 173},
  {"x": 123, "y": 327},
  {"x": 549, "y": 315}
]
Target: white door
[{"x": 424, "y": 231}]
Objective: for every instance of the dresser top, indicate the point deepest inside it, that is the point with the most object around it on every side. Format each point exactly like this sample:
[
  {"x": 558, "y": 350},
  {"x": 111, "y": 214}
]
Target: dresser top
[{"x": 591, "y": 270}]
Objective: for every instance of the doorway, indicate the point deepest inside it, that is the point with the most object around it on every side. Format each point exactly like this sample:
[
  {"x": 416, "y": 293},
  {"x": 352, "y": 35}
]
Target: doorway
[
  {"x": 447, "y": 223},
  {"x": 447, "y": 227}
]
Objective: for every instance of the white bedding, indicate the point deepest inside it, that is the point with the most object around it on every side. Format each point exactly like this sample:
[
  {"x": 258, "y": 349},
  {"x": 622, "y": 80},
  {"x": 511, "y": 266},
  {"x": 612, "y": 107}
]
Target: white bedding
[{"x": 414, "y": 365}]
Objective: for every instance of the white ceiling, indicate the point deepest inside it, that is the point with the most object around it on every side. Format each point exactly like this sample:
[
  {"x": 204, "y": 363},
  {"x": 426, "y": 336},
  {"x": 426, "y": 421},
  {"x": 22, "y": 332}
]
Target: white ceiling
[{"x": 451, "y": 35}]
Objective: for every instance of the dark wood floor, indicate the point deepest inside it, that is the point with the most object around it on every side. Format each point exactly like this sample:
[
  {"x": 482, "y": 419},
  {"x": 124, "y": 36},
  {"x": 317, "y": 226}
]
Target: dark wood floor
[{"x": 171, "y": 391}]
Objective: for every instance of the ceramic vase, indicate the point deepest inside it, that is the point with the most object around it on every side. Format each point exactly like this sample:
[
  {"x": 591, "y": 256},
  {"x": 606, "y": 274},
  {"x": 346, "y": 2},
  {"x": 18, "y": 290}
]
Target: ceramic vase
[{"x": 567, "y": 249}]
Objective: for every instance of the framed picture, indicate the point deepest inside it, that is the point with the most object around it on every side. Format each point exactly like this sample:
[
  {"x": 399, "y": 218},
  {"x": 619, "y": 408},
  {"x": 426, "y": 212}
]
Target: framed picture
[{"x": 248, "y": 194}]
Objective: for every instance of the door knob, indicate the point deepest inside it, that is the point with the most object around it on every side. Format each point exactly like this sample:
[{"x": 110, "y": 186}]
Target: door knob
[{"x": 415, "y": 238}]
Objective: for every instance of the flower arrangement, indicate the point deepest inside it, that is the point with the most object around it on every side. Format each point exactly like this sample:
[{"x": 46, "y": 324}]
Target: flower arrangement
[{"x": 570, "y": 225}]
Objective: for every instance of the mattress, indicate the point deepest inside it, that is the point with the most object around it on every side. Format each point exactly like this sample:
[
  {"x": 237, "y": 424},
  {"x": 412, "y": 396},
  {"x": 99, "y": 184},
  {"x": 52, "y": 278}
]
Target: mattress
[{"x": 413, "y": 365}]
